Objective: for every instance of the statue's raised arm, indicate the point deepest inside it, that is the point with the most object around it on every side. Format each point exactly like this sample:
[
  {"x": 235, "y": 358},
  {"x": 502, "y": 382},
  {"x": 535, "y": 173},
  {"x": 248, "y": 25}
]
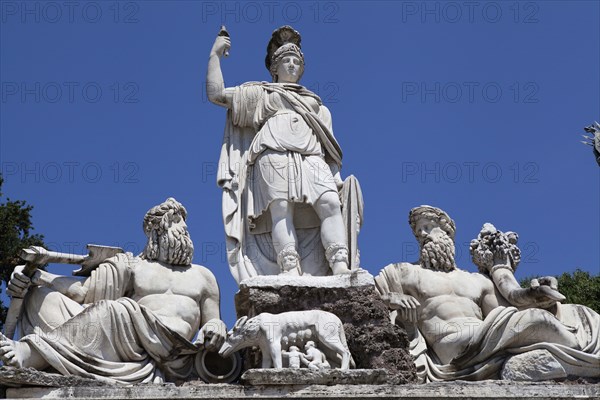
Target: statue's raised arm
[
  {"x": 215, "y": 85},
  {"x": 496, "y": 254},
  {"x": 285, "y": 207}
]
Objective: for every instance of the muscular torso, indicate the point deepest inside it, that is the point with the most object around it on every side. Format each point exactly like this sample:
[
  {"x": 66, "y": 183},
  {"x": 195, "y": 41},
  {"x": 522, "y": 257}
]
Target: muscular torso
[
  {"x": 453, "y": 306},
  {"x": 172, "y": 293}
]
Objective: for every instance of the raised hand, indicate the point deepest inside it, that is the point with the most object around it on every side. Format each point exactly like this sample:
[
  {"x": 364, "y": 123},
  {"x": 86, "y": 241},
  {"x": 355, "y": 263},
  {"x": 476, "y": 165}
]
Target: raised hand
[{"x": 221, "y": 45}]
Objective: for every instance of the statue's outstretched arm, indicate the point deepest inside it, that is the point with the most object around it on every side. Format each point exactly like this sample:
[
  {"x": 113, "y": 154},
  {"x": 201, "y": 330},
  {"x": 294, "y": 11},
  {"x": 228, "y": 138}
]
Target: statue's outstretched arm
[
  {"x": 215, "y": 85},
  {"x": 305, "y": 359},
  {"x": 497, "y": 256},
  {"x": 541, "y": 296}
]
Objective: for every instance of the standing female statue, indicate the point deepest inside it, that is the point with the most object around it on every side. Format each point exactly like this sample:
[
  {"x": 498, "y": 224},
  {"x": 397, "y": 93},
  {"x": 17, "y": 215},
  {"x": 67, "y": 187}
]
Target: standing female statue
[{"x": 279, "y": 170}]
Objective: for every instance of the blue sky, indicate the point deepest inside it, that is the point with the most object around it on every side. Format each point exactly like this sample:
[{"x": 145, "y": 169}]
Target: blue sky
[{"x": 476, "y": 108}]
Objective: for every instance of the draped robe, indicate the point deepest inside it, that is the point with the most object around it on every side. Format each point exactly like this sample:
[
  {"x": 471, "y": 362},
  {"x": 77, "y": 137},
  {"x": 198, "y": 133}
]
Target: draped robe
[
  {"x": 241, "y": 175},
  {"x": 499, "y": 336},
  {"x": 110, "y": 337}
]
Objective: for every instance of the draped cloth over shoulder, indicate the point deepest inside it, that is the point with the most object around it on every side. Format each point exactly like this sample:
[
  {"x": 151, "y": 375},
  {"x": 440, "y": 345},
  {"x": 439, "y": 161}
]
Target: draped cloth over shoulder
[
  {"x": 111, "y": 337},
  {"x": 500, "y": 336},
  {"x": 249, "y": 246},
  {"x": 498, "y": 339}
]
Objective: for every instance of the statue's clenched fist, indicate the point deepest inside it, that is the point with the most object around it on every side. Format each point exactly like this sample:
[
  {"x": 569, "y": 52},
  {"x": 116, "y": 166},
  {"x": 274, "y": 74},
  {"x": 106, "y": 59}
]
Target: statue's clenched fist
[
  {"x": 19, "y": 282},
  {"x": 221, "y": 45}
]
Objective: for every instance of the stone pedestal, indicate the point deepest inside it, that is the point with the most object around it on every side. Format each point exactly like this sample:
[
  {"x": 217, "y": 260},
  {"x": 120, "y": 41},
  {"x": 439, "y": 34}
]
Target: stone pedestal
[
  {"x": 372, "y": 339},
  {"x": 487, "y": 390},
  {"x": 295, "y": 376}
]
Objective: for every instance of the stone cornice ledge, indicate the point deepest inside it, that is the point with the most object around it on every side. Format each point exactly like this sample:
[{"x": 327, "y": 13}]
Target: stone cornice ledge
[
  {"x": 438, "y": 390},
  {"x": 356, "y": 278}
]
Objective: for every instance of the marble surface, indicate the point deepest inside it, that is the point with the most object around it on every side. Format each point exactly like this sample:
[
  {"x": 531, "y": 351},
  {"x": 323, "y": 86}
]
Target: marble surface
[
  {"x": 356, "y": 278},
  {"x": 131, "y": 320},
  {"x": 286, "y": 208},
  {"x": 465, "y": 325},
  {"x": 438, "y": 390}
]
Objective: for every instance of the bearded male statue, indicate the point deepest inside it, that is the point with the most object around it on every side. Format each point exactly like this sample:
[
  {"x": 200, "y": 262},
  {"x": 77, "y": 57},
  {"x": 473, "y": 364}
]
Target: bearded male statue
[
  {"x": 131, "y": 320},
  {"x": 466, "y": 325}
]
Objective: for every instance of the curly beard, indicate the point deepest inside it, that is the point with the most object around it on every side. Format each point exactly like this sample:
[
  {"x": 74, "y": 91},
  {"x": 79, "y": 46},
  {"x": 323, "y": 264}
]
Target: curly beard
[
  {"x": 177, "y": 245},
  {"x": 438, "y": 254}
]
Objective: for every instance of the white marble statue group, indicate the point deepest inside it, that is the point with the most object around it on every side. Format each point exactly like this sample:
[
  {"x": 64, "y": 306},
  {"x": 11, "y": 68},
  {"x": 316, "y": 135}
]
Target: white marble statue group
[
  {"x": 286, "y": 210},
  {"x": 131, "y": 320}
]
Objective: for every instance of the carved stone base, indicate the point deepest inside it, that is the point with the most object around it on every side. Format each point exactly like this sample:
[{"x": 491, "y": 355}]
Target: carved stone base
[
  {"x": 486, "y": 390},
  {"x": 372, "y": 339},
  {"x": 16, "y": 377},
  {"x": 290, "y": 376}
]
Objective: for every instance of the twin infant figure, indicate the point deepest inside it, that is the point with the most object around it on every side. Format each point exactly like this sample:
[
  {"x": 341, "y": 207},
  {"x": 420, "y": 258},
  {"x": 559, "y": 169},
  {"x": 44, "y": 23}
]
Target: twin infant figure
[{"x": 314, "y": 358}]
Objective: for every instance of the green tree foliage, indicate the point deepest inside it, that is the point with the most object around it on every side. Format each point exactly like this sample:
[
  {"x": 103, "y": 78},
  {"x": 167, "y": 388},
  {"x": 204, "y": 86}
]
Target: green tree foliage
[
  {"x": 578, "y": 287},
  {"x": 15, "y": 234}
]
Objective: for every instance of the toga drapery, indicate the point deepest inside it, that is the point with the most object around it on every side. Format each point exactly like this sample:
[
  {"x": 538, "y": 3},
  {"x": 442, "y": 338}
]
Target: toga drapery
[
  {"x": 500, "y": 336},
  {"x": 110, "y": 337}
]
